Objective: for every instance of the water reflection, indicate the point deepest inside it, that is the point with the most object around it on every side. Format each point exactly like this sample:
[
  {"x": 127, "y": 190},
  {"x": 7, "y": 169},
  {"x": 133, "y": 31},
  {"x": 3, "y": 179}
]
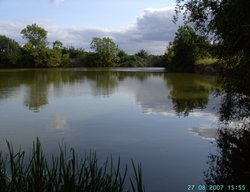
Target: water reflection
[
  {"x": 36, "y": 96},
  {"x": 230, "y": 165},
  {"x": 234, "y": 106},
  {"x": 59, "y": 122},
  {"x": 189, "y": 92},
  {"x": 186, "y": 92},
  {"x": 135, "y": 114},
  {"x": 38, "y": 83},
  {"x": 236, "y": 102},
  {"x": 204, "y": 132}
]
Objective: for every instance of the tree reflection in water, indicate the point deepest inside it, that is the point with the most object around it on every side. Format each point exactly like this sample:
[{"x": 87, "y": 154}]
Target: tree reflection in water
[
  {"x": 234, "y": 106},
  {"x": 231, "y": 164},
  {"x": 189, "y": 92}
]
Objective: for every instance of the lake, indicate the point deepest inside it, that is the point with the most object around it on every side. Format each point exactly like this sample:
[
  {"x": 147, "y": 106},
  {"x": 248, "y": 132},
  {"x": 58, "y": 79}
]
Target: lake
[{"x": 168, "y": 122}]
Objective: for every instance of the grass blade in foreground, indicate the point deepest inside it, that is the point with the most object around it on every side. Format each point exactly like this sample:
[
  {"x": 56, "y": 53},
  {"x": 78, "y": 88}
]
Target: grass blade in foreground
[{"x": 64, "y": 173}]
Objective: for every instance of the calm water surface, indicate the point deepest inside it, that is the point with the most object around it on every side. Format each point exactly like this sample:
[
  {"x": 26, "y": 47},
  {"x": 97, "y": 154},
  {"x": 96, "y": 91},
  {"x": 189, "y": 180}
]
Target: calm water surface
[{"x": 165, "y": 121}]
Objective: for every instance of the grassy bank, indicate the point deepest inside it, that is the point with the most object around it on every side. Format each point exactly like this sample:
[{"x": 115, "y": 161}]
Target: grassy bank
[
  {"x": 209, "y": 66},
  {"x": 65, "y": 172},
  {"x": 207, "y": 61}
]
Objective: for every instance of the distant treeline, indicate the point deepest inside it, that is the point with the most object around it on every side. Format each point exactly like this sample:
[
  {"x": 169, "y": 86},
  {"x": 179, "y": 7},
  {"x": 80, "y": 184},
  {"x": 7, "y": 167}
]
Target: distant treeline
[
  {"x": 37, "y": 52},
  {"x": 220, "y": 34}
]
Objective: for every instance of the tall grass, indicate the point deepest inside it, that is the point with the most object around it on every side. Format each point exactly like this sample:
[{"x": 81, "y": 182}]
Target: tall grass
[{"x": 64, "y": 173}]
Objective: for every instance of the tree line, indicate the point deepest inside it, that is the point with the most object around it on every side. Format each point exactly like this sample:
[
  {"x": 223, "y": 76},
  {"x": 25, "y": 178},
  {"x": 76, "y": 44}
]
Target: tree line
[
  {"x": 215, "y": 30},
  {"x": 37, "y": 52}
]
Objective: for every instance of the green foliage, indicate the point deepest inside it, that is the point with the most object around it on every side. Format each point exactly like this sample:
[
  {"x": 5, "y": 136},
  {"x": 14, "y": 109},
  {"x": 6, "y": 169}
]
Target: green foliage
[
  {"x": 73, "y": 52},
  {"x": 228, "y": 23},
  {"x": 122, "y": 54},
  {"x": 35, "y": 35},
  {"x": 185, "y": 50},
  {"x": 227, "y": 20},
  {"x": 89, "y": 60},
  {"x": 140, "y": 59},
  {"x": 65, "y": 60},
  {"x": 37, "y": 56},
  {"x": 206, "y": 61},
  {"x": 54, "y": 57},
  {"x": 156, "y": 61},
  {"x": 131, "y": 61},
  {"x": 10, "y": 52},
  {"x": 36, "y": 53},
  {"x": 106, "y": 51},
  {"x": 66, "y": 172},
  {"x": 57, "y": 45},
  {"x": 142, "y": 54},
  {"x": 35, "y": 48}
]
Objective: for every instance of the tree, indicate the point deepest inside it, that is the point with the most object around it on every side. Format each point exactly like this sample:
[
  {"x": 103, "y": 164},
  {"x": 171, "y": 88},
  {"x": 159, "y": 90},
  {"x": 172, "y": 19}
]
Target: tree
[
  {"x": 36, "y": 57},
  {"x": 131, "y": 61},
  {"x": 106, "y": 50},
  {"x": 36, "y": 52},
  {"x": 142, "y": 54},
  {"x": 122, "y": 54},
  {"x": 56, "y": 56},
  {"x": 227, "y": 22},
  {"x": 184, "y": 50},
  {"x": 57, "y": 45},
  {"x": 35, "y": 49},
  {"x": 35, "y": 35},
  {"x": 9, "y": 52}
]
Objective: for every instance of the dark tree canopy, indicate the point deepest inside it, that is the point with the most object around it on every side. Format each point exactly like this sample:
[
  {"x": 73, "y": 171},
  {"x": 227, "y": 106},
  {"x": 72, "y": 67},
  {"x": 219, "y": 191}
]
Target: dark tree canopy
[
  {"x": 9, "y": 52},
  {"x": 184, "y": 50},
  {"x": 228, "y": 23},
  {"x": 142, "y": 54}
]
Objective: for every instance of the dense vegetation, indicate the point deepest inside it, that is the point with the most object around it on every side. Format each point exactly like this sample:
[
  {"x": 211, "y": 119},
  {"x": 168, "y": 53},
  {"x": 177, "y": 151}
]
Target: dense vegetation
[
  {"x": 186, "y": 49},
  {"x": 37, "y": 52},
  {"x": 219, "y": 34},
  {"x": 227, "y": 23},
  {"x": 223, "y": 35},
  {"x": 64, "y": 173}
]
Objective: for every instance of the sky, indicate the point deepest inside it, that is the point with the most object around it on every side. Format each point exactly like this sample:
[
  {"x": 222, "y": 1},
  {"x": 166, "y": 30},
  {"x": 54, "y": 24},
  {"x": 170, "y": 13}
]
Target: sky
[{"x": 132, "y": 24}]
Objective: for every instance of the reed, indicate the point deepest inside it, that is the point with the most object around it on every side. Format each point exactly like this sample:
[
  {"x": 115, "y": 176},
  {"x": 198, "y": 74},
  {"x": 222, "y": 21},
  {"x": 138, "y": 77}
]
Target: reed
[{"x": 66, "y": 172}]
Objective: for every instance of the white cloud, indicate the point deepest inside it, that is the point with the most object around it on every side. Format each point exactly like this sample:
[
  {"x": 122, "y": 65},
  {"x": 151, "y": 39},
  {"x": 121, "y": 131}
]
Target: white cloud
[
  {"x": 152, "y": 31},
  {"x": 12, "y": 30},
  {"x": 59, "y": 122},
  {"x": 56, "y": 2},
  {"x": 205, "y": 132}
]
